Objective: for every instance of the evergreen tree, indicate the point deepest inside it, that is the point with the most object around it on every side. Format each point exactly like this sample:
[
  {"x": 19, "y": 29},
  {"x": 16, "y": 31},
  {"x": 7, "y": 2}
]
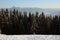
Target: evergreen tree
[
  {"x": 59, "y": 26},
  {"x": 37, "y": 21},
  {"x": 34, "y": 25},
  {"x": 25, "y": 21},
  {"x": 55, "y": 25},
  {"x": 42, "y": 24},
  {"x": 48, "y": 24}
]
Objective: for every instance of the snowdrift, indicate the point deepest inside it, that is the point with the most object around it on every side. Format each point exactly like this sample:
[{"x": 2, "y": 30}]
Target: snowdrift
[{"x": 29, "y": 37}]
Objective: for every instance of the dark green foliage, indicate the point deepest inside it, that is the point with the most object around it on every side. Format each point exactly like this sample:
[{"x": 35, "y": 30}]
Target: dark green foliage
[
  {"x": 15, "y": 22},
  {"x": 42, "y": 26}
]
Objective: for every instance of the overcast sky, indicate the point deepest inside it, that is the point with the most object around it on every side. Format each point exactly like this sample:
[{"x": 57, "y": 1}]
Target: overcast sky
[{"x": 30, "y": 3}]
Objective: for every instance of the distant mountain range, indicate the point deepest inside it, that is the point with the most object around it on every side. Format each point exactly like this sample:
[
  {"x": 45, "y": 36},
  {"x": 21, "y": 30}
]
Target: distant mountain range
[{"x": 47, "y": 11}]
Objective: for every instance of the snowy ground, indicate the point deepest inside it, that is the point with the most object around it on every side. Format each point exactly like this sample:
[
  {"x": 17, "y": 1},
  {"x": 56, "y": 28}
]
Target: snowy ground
[{"x": 29, "y": 37}]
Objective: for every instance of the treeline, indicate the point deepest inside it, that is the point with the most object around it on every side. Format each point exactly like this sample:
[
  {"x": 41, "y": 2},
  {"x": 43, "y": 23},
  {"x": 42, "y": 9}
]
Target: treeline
[{"x": 14, "y": 22}]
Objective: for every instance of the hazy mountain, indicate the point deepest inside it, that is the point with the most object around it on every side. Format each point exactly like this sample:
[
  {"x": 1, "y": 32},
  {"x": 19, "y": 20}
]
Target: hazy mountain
[{"x": 33, "y": 10}]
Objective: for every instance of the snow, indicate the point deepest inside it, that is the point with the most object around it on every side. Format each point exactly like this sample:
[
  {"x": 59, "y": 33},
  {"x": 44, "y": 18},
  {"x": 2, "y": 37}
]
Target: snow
[{"x": 29, "y": 37}]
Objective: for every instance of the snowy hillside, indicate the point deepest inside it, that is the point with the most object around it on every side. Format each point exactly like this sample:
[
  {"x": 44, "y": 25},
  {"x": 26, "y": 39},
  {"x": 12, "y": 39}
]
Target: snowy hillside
[{"x": 29, "y": 37}]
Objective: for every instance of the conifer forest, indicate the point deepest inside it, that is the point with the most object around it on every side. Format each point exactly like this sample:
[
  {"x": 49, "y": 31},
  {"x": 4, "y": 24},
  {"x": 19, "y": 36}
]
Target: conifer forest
[{"x": 18, "y": 23}]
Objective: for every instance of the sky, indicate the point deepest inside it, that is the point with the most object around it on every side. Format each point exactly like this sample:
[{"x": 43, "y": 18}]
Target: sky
[{"x": 30, "y": 3}]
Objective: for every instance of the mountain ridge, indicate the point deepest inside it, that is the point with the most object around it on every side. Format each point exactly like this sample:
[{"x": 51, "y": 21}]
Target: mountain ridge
[{"x": 47, "y": 11}]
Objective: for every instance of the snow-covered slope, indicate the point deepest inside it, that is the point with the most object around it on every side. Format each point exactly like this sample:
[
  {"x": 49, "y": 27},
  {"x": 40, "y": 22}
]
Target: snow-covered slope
[{"x": 29, "y": 37}]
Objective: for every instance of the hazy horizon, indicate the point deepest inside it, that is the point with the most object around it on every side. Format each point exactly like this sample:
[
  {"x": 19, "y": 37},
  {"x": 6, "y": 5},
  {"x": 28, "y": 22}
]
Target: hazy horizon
[{"x": 30, "y": 3}]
